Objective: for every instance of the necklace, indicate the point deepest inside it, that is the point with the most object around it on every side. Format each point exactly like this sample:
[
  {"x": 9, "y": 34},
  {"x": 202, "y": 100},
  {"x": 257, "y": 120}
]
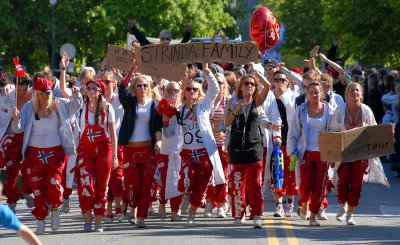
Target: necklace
[
  {"x": 353, "y": 124},
  {"x": 44, "y": 113}
]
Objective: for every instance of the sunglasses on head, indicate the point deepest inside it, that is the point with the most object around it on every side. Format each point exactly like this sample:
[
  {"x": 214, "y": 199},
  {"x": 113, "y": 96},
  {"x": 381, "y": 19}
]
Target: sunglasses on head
[
  {"x": 279, "y": 80},
  {"x": 172, "y": 91},
  {"x": 249, "y": 83},
  {"x": 142, "y": 85},
  {"x": 93, "y": 88},
  {"x": 192, "y": 89}
]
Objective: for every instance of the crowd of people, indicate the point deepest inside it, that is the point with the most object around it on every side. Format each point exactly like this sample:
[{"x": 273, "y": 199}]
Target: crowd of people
[{"x": 129, "y": 139}]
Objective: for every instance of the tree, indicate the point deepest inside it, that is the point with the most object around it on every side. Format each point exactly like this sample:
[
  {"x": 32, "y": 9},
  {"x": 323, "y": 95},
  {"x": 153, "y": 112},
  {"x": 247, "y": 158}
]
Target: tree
[{"x": 93, "y": 24}]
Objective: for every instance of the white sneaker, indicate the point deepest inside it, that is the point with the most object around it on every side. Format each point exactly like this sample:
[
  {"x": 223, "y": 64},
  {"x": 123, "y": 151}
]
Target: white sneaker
[
  {"x": 40, "y": 227},
  {"x": 185, "y": 203},
  {"x": 350, "y": 219},
  {"x": 306, "y": 216},
  {"x": 321, "y": 215},
  {"x": 109, "y": 219},
  {"x": 243, "y": 220},
  {"x": 55, "y": 220},
  {"x": 279, "y": 212},
  {"x": 257, "y": 221},
  {"x": 289, "y": 209},
  {"x": 191, "y": 220},
  {"x": 221, "y": 212},
  {"x": 342, "y": 213},
  {"x": 237, "y": 222},
  {"x": 29, "y": 200},
  {"x": 98, "y": 228},
  {"x": 65, "y": 206},
  {"x": 208, "y": 210},
  {"x": 120, "y": 217}
]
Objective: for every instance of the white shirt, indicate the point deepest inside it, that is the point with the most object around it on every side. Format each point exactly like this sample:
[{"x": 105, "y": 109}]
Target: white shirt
[
  {"x": 192, "y": 138},
  {"x": 45, "y": 132},
  {"x": 142, "y": 129},
  {"x": 315, "y": 125},
  {"x": 110, "y": 118}
]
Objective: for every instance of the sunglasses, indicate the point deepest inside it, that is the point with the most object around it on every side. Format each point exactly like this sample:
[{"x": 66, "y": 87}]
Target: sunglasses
[
  {"x": 249, "y": 83},
  {"x": 108, "y": 81},
  {"x": 165, "y": 39},
  {"x": 269, "y": 68},
  {"x": 192, "y": 89},
  {"x": 172, "y": 91},
  {"x": 220, "y": 82},
  {"x": 93, "y": 88},
  {"x": 306, "y": 86},
  {"x": 142, "y": 85},
  {"x": 279, "y": 80}
]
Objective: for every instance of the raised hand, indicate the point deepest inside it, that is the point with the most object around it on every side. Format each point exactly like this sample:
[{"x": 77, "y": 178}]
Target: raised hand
[{"x": 64, "y": 60}]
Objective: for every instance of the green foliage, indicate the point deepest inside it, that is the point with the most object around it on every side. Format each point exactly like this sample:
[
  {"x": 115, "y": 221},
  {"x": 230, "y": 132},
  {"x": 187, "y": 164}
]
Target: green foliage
[{"x": 93, "y": 24}]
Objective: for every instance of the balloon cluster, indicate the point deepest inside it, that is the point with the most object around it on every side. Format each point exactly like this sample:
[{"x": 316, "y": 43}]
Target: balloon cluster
[{"x": 264, "y": 28}]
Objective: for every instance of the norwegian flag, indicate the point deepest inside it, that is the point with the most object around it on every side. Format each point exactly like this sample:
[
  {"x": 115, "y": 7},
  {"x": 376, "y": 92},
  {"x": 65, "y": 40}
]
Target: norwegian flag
[{"x": 19, "y": 71}]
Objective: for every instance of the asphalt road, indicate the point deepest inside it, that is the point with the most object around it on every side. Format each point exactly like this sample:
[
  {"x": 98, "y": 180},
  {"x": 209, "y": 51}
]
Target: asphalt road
[{"x": 378, "y": 222}]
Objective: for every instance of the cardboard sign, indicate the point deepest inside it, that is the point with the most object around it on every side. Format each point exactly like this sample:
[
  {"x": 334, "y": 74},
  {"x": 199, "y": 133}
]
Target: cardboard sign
[
  {"x": 356, "y": 144},
  {"x": 173, "y": 72},
  {"x": 120, "y": 58},
  {"x": 131, "y": 41},
  {"x": 160, "y": 54}
]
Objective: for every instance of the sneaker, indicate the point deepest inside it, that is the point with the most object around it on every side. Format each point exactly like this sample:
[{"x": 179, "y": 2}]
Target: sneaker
[
  {"x": 305, "y": 216},
  {"x": 350, "y": 219},
  {"x": 120, "y": 217},
  {"x": 87, "y": 227},
  {"x": 321, "y": 215},
  {"x": 243, "y": 220},
  {"x": 132, "y": 220},
  {"x": 12, "y": 206},
  {"x": 98, "y": 228},
  {"x": 191, "y": 220},
  {"x": 257, "y": 221},
  {"x": 342, "y": 213},
  {"x": 208, "y": 210},
  {"x": 237, "y": 222},
  {"x": 150, "y": 211},
  {"x": 185, "y": 203},
  {"x": 109, "y": 219},
  {"x": 141, "y": 224},
  {"x": 221, "y": 212},
  {"x": 176, "y": 218},
  {"x": 315, "y": 223},
  {"x": 289, "y": 210},
  {"x": 55, "y": 220},
  {"x": 279, "y": 212},
  {"x": 298, "y": 211},
  {"x": 29, "y": 200},
  {"x": 65, "y": 206},
  {"x": 40, "y": 227}
]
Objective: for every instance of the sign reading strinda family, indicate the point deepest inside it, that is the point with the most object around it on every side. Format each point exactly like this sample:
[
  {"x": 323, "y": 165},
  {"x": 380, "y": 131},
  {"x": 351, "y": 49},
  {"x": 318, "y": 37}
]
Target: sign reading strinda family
[{"x": 160, "y": 54}]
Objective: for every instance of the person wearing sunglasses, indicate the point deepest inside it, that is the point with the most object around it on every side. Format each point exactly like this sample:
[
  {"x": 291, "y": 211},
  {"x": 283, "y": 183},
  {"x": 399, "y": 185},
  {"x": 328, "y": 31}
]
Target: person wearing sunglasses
[
  {"x": 311, "y": 117},
  {"x": 216, "y": 194},
  {"x": 45, "y": 122},
  {"x": 140, "y": 134},
  {"x": 97, "y": 153},
  {"x": 245, "y": 147},
  {"x": 115, "y": 185},
  {"x": 11, "y": 143},
  {"x": 168, "y": 161},
  {"x": 200, "y": 158}
]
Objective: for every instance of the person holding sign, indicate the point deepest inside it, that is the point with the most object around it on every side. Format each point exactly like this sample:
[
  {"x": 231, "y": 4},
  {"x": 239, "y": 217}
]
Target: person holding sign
[
  {"x": 245, "y": 147},
  {"x": 310, "y": 118},
  {"x": 200, "y": 158},
  {"x": 140, "y": 134},
  {"x": 352, "y": 114},
  {"x": 47, "y": 130}
]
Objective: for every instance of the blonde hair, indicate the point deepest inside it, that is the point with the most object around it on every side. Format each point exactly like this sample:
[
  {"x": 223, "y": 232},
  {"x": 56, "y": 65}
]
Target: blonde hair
[
  {"x": 327, "y": 81},
  {"x": 231, "y": 80},
  {"x": 199, "y": 98},
  {"x": 36, "y": 105},
  {"x": 225, "y": 92},
  {"x": 347, "y": 91},
  {"x": 141, "y": 78},
  {"x": 109, "y": 74},
  {"x": 240, "y": 84},
  {"x": 87, "y": 73}
]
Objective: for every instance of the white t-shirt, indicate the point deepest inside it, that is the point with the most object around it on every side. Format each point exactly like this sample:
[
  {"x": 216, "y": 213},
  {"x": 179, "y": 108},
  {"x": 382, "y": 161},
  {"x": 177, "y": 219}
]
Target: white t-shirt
[
  {"x": 315, "y": 125},
  {"x": 110, "y": 118},
  {"x": 192, "y": 138},
  {"x": 141, "y": 132},
  {"x": 119, "y": 112},
  {"x": 45, "y": 132}
]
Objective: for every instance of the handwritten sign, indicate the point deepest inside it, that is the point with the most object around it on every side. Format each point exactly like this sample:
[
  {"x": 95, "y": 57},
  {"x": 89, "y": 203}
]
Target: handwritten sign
[
  {"x": 356, "y": 144},
  {"x": 160, "y": 54},
  {"x": 173, "y": 72},
  {"x": 120, "y": 58}
]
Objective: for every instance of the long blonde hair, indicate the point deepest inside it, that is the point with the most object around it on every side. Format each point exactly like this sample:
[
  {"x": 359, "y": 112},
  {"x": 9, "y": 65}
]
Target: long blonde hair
[
  {"x": 196, "y": 102},
  {"x": 140, "y": 78},
  {"x": 36, "y": 105},
  {"x": 222, "y": 78}
]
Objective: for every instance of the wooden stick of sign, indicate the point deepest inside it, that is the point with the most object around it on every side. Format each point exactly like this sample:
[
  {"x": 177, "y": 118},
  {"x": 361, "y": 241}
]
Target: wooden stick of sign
[{"x": 16, "y": 92}]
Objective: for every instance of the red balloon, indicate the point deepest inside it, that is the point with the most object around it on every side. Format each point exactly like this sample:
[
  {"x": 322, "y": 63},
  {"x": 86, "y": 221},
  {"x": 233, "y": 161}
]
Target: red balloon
[{"x": 264, "y": 28}]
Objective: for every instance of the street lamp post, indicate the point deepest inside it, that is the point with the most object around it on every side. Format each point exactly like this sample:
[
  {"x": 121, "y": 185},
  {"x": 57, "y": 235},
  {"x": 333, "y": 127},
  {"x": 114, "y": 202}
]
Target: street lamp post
[{"x": 53, "y": 36}]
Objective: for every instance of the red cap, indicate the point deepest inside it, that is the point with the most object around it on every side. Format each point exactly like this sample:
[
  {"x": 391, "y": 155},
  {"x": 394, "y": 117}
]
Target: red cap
[
  {"x": 43, "y": 84},
  {"x": 99, "y": 83}
]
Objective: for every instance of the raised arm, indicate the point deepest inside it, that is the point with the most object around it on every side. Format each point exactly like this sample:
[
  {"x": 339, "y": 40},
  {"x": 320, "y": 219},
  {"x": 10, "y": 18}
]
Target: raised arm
[
  {"x": 336, "y": 67},
  {"x": 264, "y": 92},
  {"x": 188, "y": 33},
  {"x": 66, "y": 93},
  {"x": 139, "y": 36}
]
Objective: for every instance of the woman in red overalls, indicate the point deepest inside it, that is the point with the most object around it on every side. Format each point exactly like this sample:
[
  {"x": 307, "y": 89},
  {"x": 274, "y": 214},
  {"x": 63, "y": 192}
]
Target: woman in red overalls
[{"x": 96, "y": 152}]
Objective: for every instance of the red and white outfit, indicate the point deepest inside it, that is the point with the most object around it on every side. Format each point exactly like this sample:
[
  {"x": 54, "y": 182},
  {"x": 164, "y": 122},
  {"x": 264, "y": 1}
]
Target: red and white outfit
[
  {"x": 218, "y": 193},
  {"x": 94, "y": 160}
]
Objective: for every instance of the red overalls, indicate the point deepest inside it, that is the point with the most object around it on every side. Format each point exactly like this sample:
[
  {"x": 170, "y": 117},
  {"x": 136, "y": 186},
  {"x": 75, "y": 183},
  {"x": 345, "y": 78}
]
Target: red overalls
[{"x": 94, "y": 163}]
